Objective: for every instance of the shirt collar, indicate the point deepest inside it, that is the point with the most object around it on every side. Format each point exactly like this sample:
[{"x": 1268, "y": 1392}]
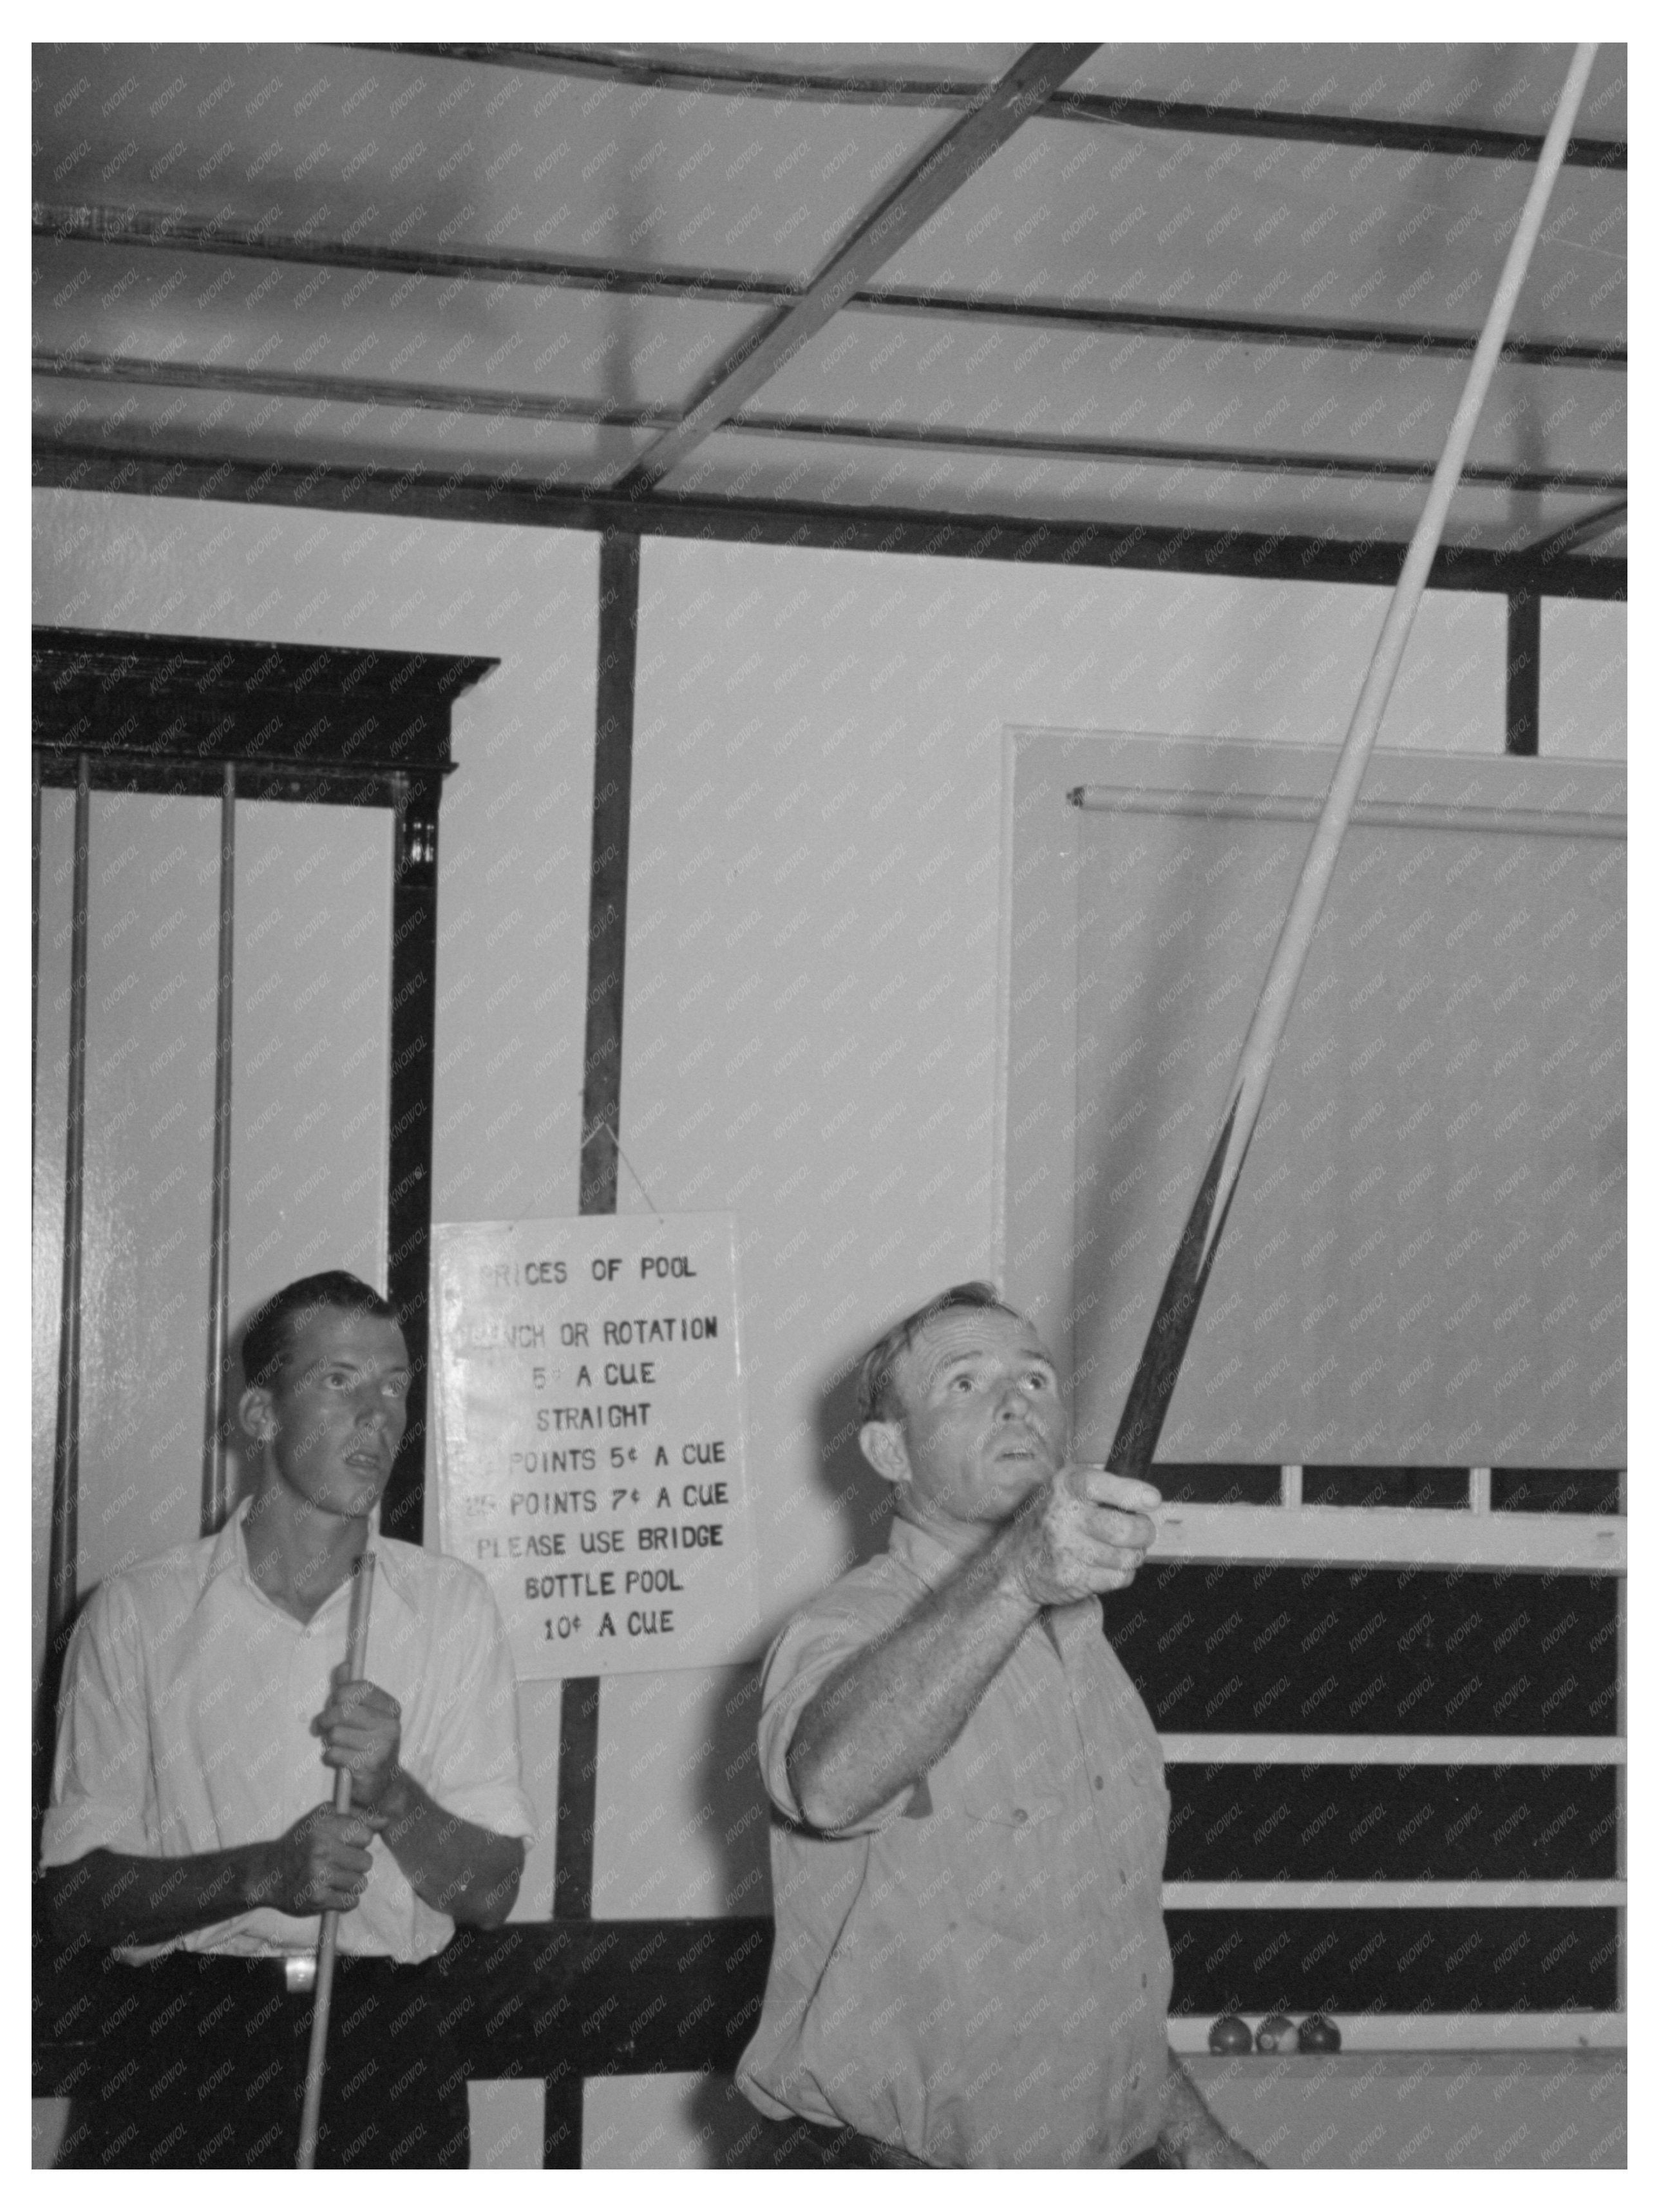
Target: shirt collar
[
  {"x": 391, "y": 1568},
  {"x": 928, "y": 1556}
]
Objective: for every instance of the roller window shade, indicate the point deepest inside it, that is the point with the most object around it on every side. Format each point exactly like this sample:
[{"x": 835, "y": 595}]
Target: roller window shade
[{"x": 1424, "y": 1262}]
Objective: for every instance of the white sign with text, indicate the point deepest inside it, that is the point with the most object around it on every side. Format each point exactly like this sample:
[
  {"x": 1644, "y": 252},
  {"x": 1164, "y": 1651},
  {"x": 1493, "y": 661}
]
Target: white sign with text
[{"x": 589, "y": 1438}]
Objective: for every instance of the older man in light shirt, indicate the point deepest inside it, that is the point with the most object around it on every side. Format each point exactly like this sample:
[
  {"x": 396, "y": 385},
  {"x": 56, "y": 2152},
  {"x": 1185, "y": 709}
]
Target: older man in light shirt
[{"x": 970, "y": 1967}]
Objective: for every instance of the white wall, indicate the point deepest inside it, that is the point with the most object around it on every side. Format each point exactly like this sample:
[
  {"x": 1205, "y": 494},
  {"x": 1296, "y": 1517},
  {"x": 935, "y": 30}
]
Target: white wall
[{"x": 811, "y": 1028}]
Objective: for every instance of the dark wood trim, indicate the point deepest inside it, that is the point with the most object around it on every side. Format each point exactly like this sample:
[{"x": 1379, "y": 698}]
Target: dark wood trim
[
  {"x": 155, "y": 229},
  {"x": 35, "y": 787},
  {"x": 940, "y": 437},
  {"x": 150, "y": 708},
  {"x": 607, "y": 913},
  {"x": 607, "y": 949},
  {"x": 1522, "y": 674},
  {"x": 551, "y": 2000},
  {"x": 215, "y": 1442},
  {"x": 64, "y": 1538},
  {"x": 925, "y": 187},
  {"x": 153, "y": 713},
  {"x": 826, "y": 87},
  {"x": 572, "y": 1898},
  {"x": 579, "y": 1762},
  {"x": 538, "y": 503},
  {"x": 409, "y": 1135}
]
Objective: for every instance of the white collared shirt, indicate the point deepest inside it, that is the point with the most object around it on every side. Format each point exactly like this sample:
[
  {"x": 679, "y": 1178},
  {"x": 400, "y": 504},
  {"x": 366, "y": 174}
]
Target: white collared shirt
[{"x": 184, "y": 1725}]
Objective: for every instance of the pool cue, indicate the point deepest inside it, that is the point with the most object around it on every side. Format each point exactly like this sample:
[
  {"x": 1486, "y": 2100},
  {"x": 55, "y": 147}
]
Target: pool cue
[
  {"x": 1159, "y": 1367},
  {"x": 363, "y": 1589}
]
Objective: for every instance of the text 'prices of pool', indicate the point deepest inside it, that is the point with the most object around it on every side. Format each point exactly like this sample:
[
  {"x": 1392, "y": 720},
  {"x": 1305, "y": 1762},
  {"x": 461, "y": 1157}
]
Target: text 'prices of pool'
[{"x": 590, "y": 1434}]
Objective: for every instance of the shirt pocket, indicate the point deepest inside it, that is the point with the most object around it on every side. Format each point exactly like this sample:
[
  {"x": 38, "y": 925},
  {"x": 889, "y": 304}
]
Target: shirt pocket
[{"x": 1003, "y": 1849}]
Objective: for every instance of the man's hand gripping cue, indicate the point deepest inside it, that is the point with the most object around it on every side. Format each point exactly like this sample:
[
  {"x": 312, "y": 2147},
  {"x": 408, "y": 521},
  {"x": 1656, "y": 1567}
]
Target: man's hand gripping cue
[
  {"x": 1084, "y": 1532},
  {"x": 898, "y": 1704},
  {"x": 362, "y": 1728},
  {"x": 322, "y": 1863}
]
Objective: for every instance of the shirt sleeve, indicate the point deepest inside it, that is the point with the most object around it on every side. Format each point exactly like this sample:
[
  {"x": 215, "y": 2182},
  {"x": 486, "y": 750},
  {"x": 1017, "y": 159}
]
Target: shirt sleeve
[
  {"x": 475, "y": 1760},
  {"x": 98, "y": 1789},
  {"x": 850, "y": 1615}
]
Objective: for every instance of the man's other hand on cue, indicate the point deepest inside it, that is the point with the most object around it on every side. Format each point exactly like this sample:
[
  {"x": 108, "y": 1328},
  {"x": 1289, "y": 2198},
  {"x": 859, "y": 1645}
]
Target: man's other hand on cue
[{"x": 361, "y": 1727}]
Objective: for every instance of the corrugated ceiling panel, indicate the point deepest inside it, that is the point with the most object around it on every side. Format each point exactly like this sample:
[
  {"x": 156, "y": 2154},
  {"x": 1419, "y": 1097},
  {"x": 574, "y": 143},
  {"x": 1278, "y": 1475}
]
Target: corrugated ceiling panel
[
  {"x": 868, "y": 475},
  {"x": 215, "y": 425},
  {"x": 1244, "y": 226},
  {"x": 424, "y": 153},
  {"x": 596, "y": 346},
  {"x": 1293, "y": 398},
  {"x": 1513, "y": 88}
]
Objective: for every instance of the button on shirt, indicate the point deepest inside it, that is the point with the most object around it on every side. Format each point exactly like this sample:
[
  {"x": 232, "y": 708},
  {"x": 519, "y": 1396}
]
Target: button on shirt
[
  {"x": 185, "y": 1725},
  {"x": 977, "y": 1971}
]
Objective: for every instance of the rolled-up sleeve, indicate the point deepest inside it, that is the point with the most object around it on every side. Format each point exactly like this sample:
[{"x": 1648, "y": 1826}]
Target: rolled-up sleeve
[
  {"x": 818, "y": 1641},
  {"x": 99, "y": 1785}
]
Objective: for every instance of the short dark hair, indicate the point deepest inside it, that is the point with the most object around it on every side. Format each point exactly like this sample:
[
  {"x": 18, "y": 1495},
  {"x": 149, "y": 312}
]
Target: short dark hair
[
  {"x": 876, "y": 1400},
  {"x": 265, "y": 1338}
]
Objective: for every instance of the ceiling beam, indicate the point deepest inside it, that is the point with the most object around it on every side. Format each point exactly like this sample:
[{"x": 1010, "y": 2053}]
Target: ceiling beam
[
  {"x": 925, "y": 188},
  {"x": 751, "y": 80},
  {"x": 1252, "y": 461},
  {"x": 357, "y": 390},
  {"x": 1584, "y": 532},
  {"x": 513, "y": 497},
  {"x": 155, "y": 229},
  {"x": 453, "y": 399}
]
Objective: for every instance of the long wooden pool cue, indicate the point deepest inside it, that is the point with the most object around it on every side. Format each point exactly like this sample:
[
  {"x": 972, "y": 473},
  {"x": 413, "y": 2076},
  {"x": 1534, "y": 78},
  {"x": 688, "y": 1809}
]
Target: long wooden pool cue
[
  {"x": 1155, "y": 1378},
  {"x": 363, "y": 1589}
]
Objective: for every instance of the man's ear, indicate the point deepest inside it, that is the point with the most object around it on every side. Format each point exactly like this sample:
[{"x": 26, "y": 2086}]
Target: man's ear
[
  {"x": 254, "y": 1413},
  {"x": 882, "y": 1443}
]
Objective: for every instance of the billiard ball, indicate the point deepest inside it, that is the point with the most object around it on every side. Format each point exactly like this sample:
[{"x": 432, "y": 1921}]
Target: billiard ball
[
  {"x": 1275, "y": 2033},
  {"x": 1318, "y": 2033},
  {"x": 1230, "y": 2035}
]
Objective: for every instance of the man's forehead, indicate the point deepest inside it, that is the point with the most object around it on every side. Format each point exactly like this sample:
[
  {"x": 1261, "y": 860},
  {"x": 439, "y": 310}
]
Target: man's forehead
[
  {"x": 962, "y": 1331},
  {"x": 336, "y": 1332}
]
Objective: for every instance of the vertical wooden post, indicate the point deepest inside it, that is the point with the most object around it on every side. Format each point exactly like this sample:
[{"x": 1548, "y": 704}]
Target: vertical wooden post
[
  {"x": 607, "y": 946},
  {"x": 607, "y": 911},
  {"x": 1522, "y": 671},
  {"x": 65, "y": 1543},
  {"x": 216, "y": 1499},
  {"x": 409, "y": 1145},
  {"x": 34, "y": 946}
]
